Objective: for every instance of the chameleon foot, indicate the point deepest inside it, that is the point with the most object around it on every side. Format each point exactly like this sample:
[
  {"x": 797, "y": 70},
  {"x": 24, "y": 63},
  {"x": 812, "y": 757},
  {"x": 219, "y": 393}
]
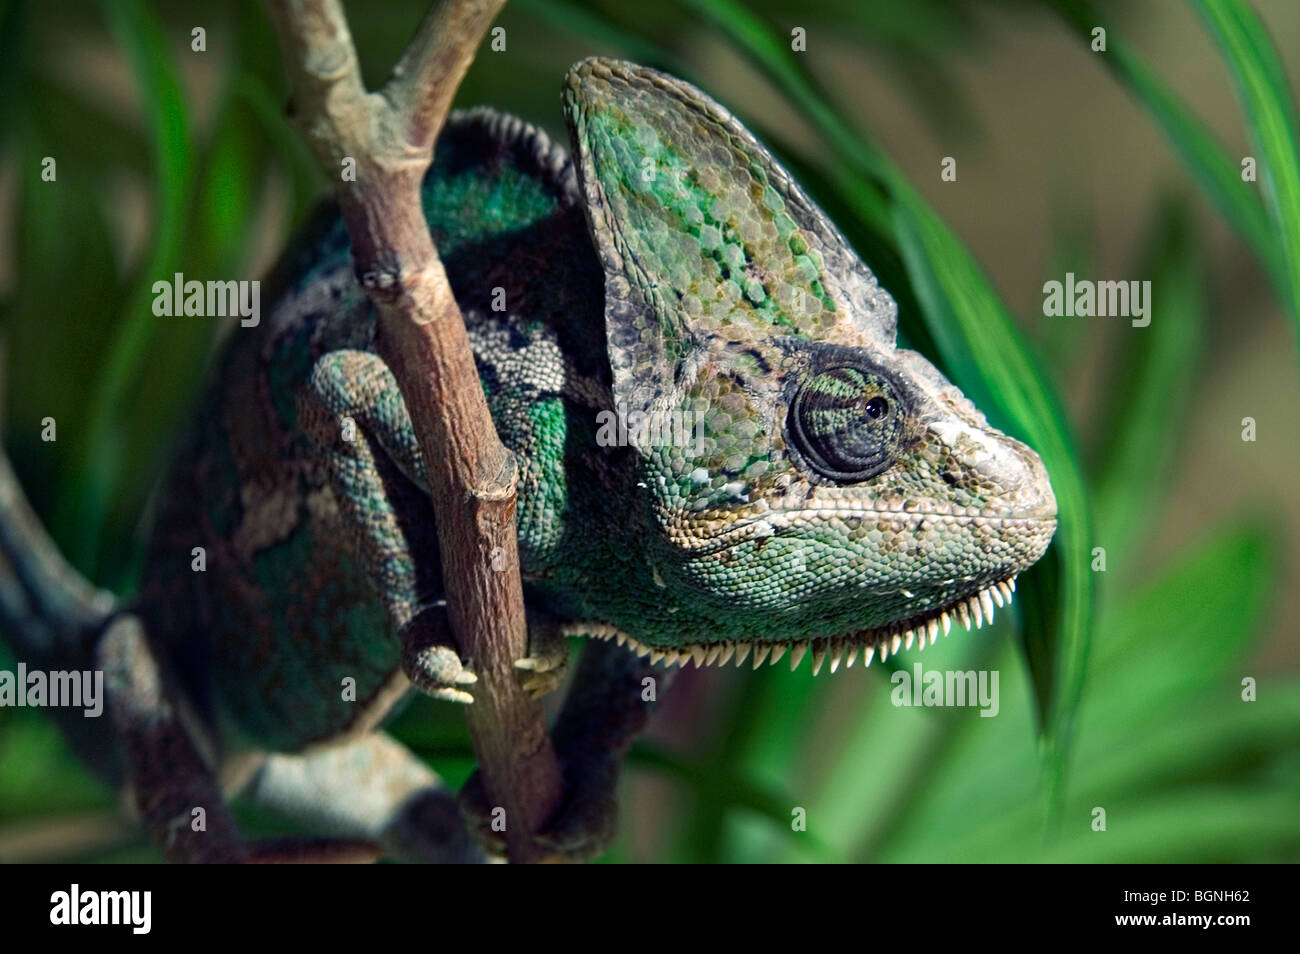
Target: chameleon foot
[
  {"x": 430, "y": 659},
  {"x": 583, "y": 828},
  {"x": 542, "y": 670},
  {"x": 587, "y": 823}
]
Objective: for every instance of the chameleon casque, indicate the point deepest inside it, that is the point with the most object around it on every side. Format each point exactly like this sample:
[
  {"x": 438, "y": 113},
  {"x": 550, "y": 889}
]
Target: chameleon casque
[{"x": 839, "y": 499}]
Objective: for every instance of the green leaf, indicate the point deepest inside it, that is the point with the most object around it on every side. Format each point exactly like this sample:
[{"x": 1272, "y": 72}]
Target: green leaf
[
  {"x": 596, "y": 27},
  {"x": 739, "y": 792},
  {"x": 889, "y": 753},
  {"x": 52, "y": 350},
  {"x": 1163, "y": 711},
  {"x": 1153, "y": 373},
  {"x": 1206, "y": 158},
  {"x": 287, "y": 144},
  {"x": 1206, "y": 824},
  {"x": 1263, "y": 89},
  {"x": 1220, "y": 591},
  {"x": 1212, "y": 734},
  {"x": 102, "y": 457},
  {"x": 1265, "y": 96}
]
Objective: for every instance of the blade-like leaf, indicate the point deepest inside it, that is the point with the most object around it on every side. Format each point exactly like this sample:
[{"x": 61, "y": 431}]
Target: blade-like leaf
[
  {"x": 101, "y": 456},
  {"x": 1263, "y": 89},
  {"x": 1265, "y": 96},
  {"x": 740, "y": 792},
  {"x": 1158, "y": 679},
  {"x": 1153, "y": 374},
  {"x": 1218, "y": 174}
]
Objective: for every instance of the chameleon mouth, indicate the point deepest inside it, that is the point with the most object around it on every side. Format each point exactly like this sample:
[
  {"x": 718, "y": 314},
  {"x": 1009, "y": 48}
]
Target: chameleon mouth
[{"x": 972, "y": 612}]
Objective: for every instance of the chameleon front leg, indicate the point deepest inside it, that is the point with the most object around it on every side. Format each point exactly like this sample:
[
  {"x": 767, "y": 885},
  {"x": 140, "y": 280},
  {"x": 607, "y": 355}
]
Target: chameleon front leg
[
  {"x": 172, "y": 786},
  {"x": 355, "y": 413}
]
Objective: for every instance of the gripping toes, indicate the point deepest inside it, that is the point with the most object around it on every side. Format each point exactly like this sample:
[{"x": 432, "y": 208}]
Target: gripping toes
[
  {"x": 430, "y": 660},
  {"x": 543, "y": 669},
  {"x": 583, "y": 828},
  {"x": 587, "y": 823},
  {"x": 439, "y": 672}
]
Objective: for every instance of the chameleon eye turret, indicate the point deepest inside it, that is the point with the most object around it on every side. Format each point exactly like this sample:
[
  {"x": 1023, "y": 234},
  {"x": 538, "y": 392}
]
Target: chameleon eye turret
[{"x": 847, "y": 423}]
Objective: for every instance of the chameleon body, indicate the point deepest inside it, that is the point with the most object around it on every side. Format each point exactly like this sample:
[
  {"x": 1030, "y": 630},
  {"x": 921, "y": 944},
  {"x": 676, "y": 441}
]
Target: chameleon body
[{"x": 833, "y": 495}]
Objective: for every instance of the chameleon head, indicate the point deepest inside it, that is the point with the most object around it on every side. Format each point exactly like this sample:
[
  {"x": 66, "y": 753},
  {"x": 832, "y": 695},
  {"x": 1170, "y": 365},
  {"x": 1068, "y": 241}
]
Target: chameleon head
[{"x": 810, "y": 484}]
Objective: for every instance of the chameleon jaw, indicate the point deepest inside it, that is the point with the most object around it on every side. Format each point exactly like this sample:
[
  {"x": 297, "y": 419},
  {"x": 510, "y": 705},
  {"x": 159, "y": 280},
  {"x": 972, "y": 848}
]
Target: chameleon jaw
[{"x": 972, "y": 612}]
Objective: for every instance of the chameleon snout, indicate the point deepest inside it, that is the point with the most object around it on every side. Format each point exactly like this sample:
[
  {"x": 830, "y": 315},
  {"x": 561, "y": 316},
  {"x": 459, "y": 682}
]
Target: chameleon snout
[{"x": 1005, "y": 477}]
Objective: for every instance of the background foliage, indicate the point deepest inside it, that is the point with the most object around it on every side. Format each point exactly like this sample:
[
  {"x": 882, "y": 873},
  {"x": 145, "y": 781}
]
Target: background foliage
[{"x": 1119, "y": 689}]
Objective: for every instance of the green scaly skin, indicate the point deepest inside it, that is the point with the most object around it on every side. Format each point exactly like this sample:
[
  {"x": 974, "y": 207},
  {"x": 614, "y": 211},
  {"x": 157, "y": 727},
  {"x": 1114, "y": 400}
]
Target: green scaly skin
[{"x": 839, "y": 496}]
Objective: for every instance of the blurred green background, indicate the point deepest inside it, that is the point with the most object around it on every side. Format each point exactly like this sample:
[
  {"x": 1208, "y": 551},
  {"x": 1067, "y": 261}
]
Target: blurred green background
[{"x": 1120, "y": 689}]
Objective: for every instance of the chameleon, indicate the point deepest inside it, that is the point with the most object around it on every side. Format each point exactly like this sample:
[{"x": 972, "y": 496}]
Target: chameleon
[{"x": 832, "y": 497}]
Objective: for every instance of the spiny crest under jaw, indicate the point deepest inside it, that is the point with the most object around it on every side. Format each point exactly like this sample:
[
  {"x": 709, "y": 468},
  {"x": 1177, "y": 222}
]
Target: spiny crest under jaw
[{"x": 972, "y": 613}]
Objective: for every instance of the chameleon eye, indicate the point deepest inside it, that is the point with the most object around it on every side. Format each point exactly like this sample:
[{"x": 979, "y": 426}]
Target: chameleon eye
[{"x": 846, "y": 423}]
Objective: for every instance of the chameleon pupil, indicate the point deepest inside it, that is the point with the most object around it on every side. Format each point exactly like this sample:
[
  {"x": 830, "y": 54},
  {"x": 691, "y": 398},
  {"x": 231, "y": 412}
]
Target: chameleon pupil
[{"x": 877, "y": 408}]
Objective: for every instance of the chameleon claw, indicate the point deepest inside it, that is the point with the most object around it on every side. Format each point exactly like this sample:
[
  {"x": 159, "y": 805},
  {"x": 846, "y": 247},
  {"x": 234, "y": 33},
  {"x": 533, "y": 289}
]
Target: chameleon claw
[
  {"x": 542, "y": 684},
  {"x": 448, "y": 694},
  {"x": 437, "y": 671},
  {"x": 430, "y": 660},
  {"x": 544, "y": 674},
  {"x": 542, "y": 664},
  {"x": 543, "y": 669}
]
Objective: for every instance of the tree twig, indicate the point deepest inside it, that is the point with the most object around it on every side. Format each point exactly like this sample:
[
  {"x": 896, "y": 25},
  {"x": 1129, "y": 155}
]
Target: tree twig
[{"x": 389, "y": 136}]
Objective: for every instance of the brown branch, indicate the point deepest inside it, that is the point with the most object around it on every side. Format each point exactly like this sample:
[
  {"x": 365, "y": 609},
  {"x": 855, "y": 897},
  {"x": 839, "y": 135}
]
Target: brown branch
[{"x": 422, "y": 337}]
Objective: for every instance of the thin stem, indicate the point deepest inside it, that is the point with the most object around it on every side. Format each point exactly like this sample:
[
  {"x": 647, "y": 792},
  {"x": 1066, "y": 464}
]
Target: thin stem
[{"x": 389, "y": 137}]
